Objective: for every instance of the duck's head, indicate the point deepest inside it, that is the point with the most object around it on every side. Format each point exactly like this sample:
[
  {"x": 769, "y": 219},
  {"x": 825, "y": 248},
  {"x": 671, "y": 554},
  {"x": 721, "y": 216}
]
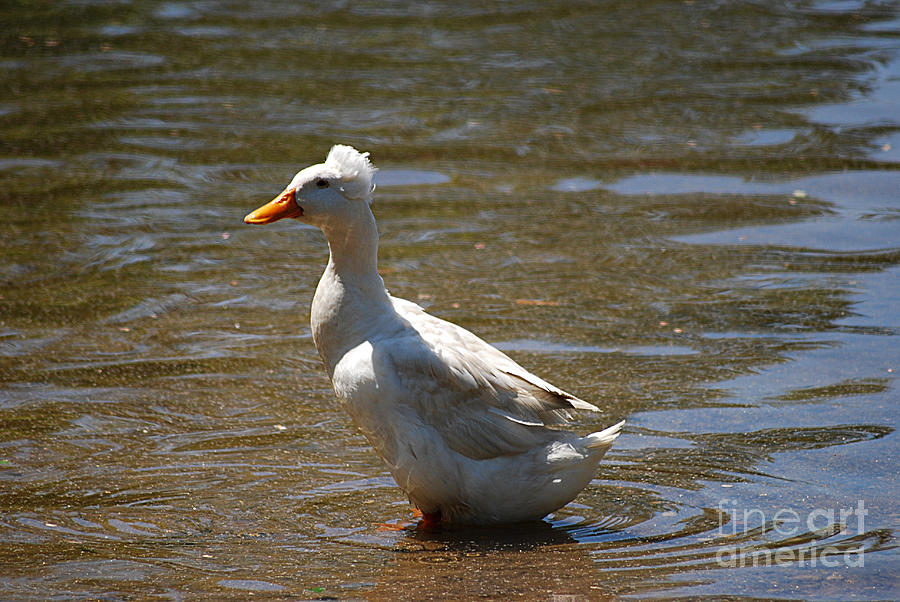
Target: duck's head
[{"x": 323, "y": 192}]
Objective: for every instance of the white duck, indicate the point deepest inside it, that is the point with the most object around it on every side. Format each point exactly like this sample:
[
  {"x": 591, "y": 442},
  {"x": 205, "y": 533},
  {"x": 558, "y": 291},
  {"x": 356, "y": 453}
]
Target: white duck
[{"x": 461, "y": 426}]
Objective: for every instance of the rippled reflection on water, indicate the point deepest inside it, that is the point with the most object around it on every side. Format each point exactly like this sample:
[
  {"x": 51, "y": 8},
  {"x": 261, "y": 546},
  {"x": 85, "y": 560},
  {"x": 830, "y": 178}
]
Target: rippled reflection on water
[{"x": 684, "y": 212}]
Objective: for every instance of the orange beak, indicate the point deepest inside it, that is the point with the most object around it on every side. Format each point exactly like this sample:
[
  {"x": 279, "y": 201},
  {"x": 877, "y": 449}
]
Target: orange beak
[{"x": 284, "y": 205}]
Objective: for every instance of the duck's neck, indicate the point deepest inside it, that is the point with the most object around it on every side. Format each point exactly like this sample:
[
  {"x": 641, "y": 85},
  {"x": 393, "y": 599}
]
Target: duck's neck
[
  {"x": 354, "y": 250},
  {"x": 350, "y": 296}
]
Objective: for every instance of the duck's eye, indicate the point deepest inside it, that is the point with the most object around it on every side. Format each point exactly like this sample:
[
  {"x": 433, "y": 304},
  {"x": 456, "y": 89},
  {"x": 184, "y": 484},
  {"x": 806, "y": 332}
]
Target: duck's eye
[{"x": 322, "y": 183}]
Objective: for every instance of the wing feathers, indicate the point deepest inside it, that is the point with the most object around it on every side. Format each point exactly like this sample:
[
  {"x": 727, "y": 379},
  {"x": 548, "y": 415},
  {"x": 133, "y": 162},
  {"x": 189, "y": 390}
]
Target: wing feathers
[{"x": 479, "y": 400}]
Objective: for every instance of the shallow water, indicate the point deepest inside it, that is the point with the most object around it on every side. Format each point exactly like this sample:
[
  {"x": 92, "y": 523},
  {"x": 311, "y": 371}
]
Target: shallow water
[{"x": 686, "y": 213}]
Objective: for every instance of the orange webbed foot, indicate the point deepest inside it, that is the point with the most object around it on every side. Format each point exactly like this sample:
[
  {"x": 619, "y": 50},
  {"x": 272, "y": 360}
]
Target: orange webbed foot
[
  {"x": 426, "y": 521},
  {"x": 430, "y": 520}
]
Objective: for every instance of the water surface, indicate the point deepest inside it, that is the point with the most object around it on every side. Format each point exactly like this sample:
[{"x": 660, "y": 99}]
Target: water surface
[{"x": 686, "y": 213}]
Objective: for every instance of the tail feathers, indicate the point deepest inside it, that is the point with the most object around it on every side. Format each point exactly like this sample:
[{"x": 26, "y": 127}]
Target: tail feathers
[
  {"x": 580, "y": 404},
  {"x": 603, "y": 438}
]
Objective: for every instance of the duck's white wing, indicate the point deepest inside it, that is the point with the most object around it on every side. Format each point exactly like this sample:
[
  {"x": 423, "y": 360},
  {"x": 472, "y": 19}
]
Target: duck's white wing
[{"x": 482, "y": 402}]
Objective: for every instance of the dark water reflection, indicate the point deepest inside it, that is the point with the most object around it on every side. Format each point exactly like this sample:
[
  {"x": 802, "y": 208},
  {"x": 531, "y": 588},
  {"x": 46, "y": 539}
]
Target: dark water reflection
[{"x": 685, "y": 212}]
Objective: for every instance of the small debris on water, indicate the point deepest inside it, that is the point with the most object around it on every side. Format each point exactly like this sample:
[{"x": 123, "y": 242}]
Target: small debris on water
[{"x": 536, "y": 302}]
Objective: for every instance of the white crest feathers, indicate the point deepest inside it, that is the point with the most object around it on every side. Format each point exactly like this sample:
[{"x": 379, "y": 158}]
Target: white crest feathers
[{"x": 354, "y": 169}]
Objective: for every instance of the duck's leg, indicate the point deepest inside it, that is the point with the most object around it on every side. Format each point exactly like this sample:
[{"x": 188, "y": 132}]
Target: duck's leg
[{"x": 430, "y": 520}]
